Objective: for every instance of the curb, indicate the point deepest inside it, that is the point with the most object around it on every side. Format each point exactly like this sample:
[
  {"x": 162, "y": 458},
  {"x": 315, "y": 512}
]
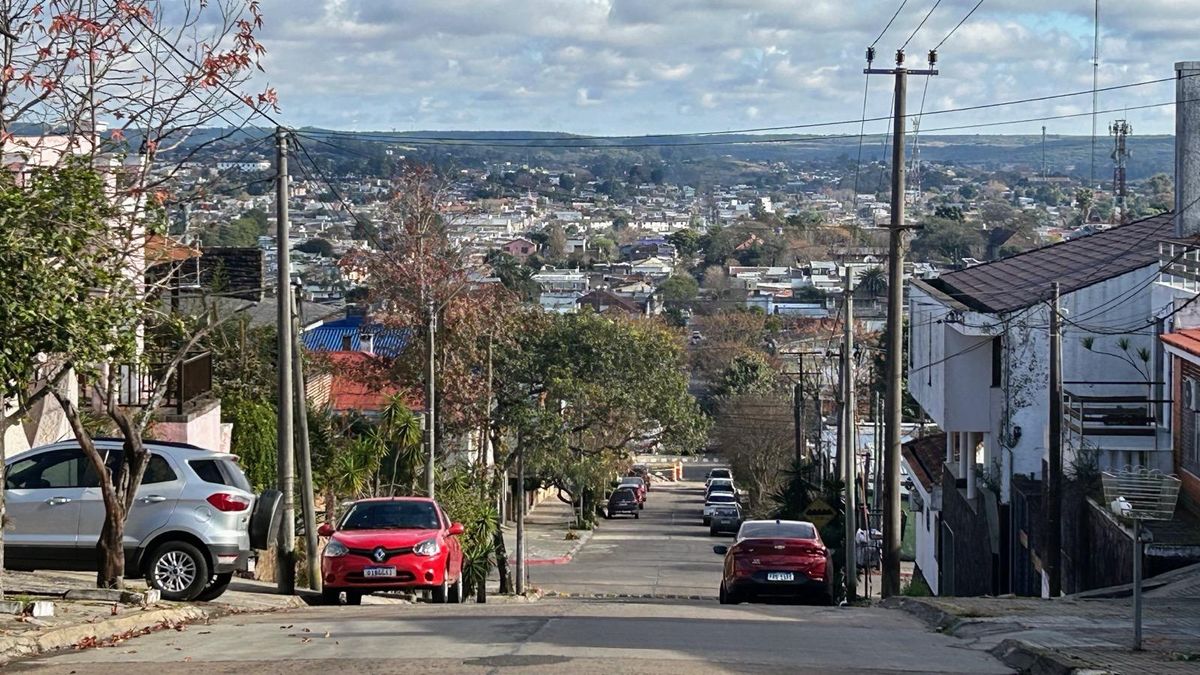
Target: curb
[
  {"x": 1022, "y": 656},
  {"x": 84, "y": 635},
  {"x": 628, "y": 596},
  {"x": 584, "y": 537},
  {"x": 1030, "y": 660},
  {"x": 935, "y": 617}
]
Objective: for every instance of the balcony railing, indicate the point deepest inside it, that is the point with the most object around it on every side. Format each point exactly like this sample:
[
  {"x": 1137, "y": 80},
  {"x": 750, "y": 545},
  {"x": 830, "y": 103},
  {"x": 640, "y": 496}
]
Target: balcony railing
[
  {"x": 1122, "y": 429},
  {"x": 191, "y": 380}
]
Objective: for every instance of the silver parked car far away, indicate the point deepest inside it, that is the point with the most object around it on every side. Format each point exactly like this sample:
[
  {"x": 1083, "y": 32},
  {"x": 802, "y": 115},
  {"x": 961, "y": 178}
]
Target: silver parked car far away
[{"x": 193, "y": 522}]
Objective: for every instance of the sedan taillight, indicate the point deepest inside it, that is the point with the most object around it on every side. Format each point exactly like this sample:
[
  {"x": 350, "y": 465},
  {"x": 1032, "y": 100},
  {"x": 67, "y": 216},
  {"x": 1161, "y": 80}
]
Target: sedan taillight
[{"x": 224, "y": 501}]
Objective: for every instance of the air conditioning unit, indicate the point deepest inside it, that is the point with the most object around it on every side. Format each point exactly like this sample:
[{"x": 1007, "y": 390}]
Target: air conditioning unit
[{"x": 1191, "y": 394}]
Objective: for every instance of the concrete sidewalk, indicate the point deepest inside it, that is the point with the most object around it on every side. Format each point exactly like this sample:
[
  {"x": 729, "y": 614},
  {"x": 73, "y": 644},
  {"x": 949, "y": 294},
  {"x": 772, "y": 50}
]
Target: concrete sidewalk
[
  {"x": 84, "y": 616},
  {"x": 548, "y": 535},
  {"x": 1069, "y": 634}
]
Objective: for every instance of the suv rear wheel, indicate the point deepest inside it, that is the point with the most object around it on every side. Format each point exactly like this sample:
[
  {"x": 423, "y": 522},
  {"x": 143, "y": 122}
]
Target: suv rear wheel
[
  {"x": 179, "y": 570},
  {"x": 216, "y": 587}
]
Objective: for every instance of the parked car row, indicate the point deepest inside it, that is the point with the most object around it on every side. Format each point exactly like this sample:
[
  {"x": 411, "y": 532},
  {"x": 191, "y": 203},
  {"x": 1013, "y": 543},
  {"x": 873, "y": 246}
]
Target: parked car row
[
  {"x": 722, "y": 502},
  {"x": 629, "y": 496}
]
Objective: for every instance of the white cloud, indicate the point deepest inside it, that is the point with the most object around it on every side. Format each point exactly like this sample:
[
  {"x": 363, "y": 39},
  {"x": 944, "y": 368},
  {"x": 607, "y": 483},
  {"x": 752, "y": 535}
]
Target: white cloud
[{"x": 633, "y": 66}]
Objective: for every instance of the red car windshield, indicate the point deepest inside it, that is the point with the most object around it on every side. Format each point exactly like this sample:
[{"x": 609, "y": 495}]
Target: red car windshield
[{"x": 397, "y": 515}]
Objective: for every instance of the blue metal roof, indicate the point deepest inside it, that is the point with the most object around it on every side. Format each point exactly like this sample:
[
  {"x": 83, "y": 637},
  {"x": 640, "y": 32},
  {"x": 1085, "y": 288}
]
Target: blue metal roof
[{"x": 331, "y": 337}]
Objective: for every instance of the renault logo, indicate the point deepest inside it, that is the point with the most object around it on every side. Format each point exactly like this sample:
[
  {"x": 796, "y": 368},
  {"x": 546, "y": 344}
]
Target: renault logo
[{"x": 379, "y": 554}]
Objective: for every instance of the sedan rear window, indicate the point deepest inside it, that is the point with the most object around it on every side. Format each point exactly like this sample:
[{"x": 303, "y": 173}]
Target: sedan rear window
[{"x": 782, "y": 530}]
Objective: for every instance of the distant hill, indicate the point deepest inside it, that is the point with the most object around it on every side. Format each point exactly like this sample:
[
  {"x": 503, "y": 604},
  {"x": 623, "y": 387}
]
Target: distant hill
[{"x": 1064, "y": 155}]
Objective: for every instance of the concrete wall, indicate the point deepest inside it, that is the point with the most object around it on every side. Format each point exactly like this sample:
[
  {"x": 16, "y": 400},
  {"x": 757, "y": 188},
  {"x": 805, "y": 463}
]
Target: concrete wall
[
  {"x": 201, "y": 427},
  {"x": 971, "y": 542}
]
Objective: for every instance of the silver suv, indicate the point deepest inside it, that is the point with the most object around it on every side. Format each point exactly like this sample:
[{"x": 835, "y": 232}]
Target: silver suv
[{"x": 193, "y": 522}]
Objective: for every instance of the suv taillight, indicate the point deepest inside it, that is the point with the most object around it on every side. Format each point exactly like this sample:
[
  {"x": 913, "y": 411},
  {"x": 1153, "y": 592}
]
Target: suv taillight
[{"x": 223, "y": 501}]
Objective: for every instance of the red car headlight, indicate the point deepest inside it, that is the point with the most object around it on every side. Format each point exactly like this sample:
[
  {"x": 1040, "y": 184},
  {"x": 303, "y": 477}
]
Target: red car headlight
[{"x": 429, "y": 547}]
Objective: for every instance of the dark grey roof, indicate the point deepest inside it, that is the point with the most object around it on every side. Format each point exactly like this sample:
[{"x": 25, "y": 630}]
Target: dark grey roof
[{"x": 1024, "y": 279}]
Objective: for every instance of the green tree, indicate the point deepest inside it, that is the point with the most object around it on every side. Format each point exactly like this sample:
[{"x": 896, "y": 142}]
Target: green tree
[
  {"x": 56, "y": 254},
  {"x": 680, "y": 288},
  {"x": 556, "y": 242},
  {"x": 748, "y": 373},
  {"x": 580, "y": 390},
  {"x": 318, "y": 246},
  {"x": 686, "y": 242},
  {"x": 946, "y": 240},
  {"x": 949, "y": 213}
]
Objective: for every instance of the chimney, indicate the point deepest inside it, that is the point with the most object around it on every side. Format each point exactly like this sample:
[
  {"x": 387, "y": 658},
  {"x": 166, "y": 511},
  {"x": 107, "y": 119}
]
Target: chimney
[
  {"x": 366, "y": 343},
  {"x": 1187, "y": 148}
]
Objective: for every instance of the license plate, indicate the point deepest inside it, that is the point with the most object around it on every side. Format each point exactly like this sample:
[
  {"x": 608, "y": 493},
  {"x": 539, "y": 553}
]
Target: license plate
[
  {"x": 780, "y": 576},
  {"x": 379, "y": 572}
]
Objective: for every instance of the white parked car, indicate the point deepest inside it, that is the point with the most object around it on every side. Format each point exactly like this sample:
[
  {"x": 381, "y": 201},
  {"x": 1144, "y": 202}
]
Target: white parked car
[{"x": 716, "y": 499}]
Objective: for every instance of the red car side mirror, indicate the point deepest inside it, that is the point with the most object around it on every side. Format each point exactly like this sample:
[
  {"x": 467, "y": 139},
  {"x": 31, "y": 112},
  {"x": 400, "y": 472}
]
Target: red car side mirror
[
  {"x": 325, "y": 530},
  {"x": 456, "y": 529}
]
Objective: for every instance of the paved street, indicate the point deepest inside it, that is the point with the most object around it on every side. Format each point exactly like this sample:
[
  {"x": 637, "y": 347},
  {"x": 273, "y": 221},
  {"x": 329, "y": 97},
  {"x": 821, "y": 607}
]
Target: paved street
[
  {"x": 551, "y": 636},
  {"x": 666, "y": 553}
]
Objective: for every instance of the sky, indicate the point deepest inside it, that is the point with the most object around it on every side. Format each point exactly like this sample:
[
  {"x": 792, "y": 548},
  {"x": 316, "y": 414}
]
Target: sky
[{"x": 630, "y": 67}]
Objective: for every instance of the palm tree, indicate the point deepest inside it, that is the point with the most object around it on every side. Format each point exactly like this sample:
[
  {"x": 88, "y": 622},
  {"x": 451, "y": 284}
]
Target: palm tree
[
  {"x": 874, "y": 280},
  {"x": 401, "y": 432}
]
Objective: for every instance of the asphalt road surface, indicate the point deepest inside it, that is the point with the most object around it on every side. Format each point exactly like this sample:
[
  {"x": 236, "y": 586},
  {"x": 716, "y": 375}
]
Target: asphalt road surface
[
  {"x": 666, "y": 552},
  {"x": 550, "y": 636}
]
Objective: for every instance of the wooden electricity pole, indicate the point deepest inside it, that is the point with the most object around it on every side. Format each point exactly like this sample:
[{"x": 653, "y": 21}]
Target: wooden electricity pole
[
  {"x": 1054, "y": 482},
  {"x": 850, "y": 438},
  {"x": 895, "y": 324}
]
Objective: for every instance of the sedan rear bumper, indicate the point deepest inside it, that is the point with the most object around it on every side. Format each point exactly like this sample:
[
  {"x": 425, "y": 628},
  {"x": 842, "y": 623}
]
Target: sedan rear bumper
[{"x": 801, "y": 586}]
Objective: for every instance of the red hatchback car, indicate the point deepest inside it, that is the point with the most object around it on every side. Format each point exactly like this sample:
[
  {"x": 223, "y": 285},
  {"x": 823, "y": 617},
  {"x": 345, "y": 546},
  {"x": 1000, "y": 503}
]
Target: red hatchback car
[
  {"x": 782, "y": 558},
  {"x": 392, "y": 544}
]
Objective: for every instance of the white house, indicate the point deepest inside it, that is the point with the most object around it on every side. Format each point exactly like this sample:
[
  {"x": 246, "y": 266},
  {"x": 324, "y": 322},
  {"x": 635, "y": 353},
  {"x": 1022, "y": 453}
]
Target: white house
[{"x": 979, "y": 367}]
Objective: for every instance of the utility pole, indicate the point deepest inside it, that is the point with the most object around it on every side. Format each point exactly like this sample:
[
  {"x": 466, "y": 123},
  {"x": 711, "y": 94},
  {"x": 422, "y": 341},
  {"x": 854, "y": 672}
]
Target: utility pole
[
  {"x": 1120, "y": 129},
  {"x": 1095, "y": 84},
  {"x": 1043, "y": 154},
  {"x": 430, "y": 404},
  {"x": 285, "y": 578},
  {"x": 520, "y": 515},
  {"x": 895, "y": 324},
  {"x": 798, "y": 416},
  {"x": 850, "y": 434},
  {"x": 307, "y": 502},
  {"x": 1054, "y": 484}
]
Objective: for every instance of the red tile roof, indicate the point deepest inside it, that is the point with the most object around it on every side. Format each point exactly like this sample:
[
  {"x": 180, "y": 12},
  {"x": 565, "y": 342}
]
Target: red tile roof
[
  {"x": 352, "y": 388},
  {"x": 925, "y": 457},
  {"x": 1187, "y": 339}
]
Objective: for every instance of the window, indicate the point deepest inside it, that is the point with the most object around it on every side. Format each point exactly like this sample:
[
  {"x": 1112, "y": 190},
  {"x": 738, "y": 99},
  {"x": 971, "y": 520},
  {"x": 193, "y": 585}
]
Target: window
[
  {"x": 997, "y": 361},
  {"x": 221, "y": 472},
  {"x": 392, "y": 515},
  {"x": 784, "y": 529},
  {"x": 52, "y": 470},
  {"x": 208, "y": 471},
  {"x": 158, "y": 471}
]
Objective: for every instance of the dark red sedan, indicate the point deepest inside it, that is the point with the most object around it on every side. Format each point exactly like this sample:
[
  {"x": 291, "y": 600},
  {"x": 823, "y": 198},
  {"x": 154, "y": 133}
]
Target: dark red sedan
[
  {"x": 392, "y": 544},
  {"x": 776, "y": 558}
]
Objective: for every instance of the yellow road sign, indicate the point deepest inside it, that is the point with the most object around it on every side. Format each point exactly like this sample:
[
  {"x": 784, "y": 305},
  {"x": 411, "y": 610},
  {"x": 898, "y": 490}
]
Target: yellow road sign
[{"x": 819, "y": 513}]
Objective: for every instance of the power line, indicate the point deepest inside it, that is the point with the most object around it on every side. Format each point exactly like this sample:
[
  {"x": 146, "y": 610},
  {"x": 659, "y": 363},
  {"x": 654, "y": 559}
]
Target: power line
[
  {"x": 918, "y": 28},
  {"x": 715, "y": 143},
  {"x": 401, "y": 137},
  {"x": 889, "y": 23},
  {"x": 959, "y": 25}
]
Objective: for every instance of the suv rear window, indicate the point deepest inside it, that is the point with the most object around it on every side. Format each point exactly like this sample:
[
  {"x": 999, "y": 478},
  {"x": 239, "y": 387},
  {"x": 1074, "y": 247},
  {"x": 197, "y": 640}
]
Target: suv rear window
[{"x": 220, "y": 472}]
